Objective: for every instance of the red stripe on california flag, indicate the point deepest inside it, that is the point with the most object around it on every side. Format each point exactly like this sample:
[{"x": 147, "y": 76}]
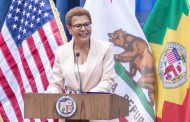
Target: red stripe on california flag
[
  {"x": 47, "y": 46},
  {"x": 12, "y": 64},
  {"x": 3, "y": 114},
  {"x": 38, "y": 61},
  {"x": 11, "y": 96},
  {"x": 56, "y": 32},
  {"x": 27, "y": 70}
]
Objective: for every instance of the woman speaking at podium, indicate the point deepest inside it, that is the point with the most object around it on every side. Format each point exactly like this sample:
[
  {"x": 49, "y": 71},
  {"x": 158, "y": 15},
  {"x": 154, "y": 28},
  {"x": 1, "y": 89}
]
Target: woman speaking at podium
[{"x": 83, "y": 64}]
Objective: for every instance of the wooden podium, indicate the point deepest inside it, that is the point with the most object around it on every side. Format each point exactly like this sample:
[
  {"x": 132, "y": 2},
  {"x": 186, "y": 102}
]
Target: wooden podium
[{"x": 88, "y": 106}]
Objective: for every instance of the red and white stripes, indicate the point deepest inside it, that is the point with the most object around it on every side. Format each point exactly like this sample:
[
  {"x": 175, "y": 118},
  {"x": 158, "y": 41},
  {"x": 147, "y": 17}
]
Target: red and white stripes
[{"x": 26, "y": 68}]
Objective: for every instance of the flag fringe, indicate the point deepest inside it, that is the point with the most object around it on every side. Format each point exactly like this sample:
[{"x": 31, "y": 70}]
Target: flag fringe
[
  {"x": 59, "y": 23},
  {"x": 1, "y": 120}
]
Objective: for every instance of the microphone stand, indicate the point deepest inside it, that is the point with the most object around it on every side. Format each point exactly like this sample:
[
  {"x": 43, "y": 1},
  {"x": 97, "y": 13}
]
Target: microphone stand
[{"x": 79, "y": 76}]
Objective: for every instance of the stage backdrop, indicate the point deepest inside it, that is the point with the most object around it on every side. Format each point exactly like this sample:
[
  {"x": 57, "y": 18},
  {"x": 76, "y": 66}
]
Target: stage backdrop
[
  {"x": 143, "y": 9},
  {"x": 4, "y": 7}
]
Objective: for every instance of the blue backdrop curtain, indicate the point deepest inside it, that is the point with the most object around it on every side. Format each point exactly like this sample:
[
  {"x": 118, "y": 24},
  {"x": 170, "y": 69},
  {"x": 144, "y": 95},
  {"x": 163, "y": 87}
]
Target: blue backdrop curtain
[
  {"x": 63, "y": 6},
  {"x": 4, "y": 7},
  {"x": 143, "y": 9}
]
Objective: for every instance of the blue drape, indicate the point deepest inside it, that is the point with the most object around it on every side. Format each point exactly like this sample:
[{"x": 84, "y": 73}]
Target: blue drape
[
  {"x": 63, "y": 6},
  {"x": 143, "y": 9},
  {"x": 4, "y": 7}
]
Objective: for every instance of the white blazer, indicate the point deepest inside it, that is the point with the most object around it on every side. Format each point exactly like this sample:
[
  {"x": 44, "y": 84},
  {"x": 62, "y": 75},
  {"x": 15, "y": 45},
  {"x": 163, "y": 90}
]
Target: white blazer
[{"x": 99, "y": 76}]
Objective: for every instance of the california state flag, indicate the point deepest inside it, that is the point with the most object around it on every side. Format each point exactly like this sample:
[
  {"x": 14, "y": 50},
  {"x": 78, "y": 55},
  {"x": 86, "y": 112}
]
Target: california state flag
[
  {"x": 168, "y": 31},
  {"x": 115, "y": 21}
]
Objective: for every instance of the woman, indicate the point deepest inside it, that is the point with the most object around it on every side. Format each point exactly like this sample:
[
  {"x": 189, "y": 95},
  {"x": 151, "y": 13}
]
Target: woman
[{"x": 83, "y": 64}]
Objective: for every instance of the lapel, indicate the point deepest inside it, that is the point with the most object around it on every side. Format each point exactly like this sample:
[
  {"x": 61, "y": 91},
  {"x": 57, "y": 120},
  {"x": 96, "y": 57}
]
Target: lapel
[
  {"x": 92, "y": 60},
  {"x": 71, "y": 65}
]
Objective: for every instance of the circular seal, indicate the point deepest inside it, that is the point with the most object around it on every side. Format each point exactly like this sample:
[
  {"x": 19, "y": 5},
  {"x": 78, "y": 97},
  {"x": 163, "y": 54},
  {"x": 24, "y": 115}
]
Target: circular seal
[
  {"x": 66, "y": 106},
  {"x": 173, "y": 65}
]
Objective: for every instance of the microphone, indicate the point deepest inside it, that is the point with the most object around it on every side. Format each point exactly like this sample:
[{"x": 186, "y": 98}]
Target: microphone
[
  {"x": 79, "y": 76},
  {"x": 77, "y": 55}
]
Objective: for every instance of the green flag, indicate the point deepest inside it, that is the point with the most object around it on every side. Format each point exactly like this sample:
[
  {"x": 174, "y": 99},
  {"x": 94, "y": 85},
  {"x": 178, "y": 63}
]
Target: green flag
[{"x": 168, "y": 31}]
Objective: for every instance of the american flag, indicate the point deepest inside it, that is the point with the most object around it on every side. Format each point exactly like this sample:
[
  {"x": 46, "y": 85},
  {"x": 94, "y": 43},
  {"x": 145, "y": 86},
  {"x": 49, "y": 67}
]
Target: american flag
[
  {"x": 173, "y": 56},
  {"x": 28, "y": 40}
]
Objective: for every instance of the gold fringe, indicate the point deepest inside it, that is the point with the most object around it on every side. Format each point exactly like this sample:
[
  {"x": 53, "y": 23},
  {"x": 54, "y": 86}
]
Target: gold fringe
[
  {"x": 1, "y": 120},
  {"x": 57, "y": 19}
]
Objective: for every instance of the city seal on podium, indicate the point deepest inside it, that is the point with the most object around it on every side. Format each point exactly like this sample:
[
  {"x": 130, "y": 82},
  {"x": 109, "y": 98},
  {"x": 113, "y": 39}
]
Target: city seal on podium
[{"x": 66, "y": 106}]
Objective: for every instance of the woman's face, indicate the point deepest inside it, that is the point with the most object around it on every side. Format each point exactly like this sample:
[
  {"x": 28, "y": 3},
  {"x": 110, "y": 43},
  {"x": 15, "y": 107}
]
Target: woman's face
[{"x": 80, "y": 28}]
